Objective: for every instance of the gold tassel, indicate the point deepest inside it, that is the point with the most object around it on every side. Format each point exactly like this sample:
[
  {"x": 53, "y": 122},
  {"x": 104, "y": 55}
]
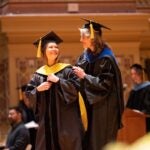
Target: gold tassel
[
  {"x": 20, "y": 94},
  {"x": 39, "y": 49},
  {"x": 92, "y": 31},
  {"x": 83, "y": 112}
]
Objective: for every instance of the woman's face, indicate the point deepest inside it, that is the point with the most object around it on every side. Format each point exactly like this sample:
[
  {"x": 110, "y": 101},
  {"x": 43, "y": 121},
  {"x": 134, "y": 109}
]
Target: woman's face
[
  {"x": 52, "y": 51},
  {"x": 86, "y": 41}
]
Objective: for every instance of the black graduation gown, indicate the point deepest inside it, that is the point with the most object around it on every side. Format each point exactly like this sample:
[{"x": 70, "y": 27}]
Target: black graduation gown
[
  {"x": 57, "y": 112},
  {"x": 18, "y": 137},
  {"x": 103, "y": 94},
  {"x": 139, "y": 99}
]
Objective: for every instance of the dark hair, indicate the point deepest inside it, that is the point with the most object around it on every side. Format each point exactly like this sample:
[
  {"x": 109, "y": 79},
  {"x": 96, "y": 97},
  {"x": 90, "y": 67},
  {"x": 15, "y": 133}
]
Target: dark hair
[
  {"x": 16, "y": 108},
  {"x": 138, "y": 68},
  {"x": 43, "y": 48}
]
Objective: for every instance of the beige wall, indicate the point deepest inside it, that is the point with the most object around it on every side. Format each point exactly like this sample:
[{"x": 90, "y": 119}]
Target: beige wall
[
  {"x": 17, "y": 51},
  {"x": 126, "y": 49}
]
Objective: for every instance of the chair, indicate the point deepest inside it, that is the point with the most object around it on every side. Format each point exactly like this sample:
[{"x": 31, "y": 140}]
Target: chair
[{"x": 134, "y": 126}]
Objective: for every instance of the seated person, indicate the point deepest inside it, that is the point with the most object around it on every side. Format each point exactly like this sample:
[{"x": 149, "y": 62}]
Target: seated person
[
  {"x": 139, "y": 97},
  {"x": 18, "y": 136}
]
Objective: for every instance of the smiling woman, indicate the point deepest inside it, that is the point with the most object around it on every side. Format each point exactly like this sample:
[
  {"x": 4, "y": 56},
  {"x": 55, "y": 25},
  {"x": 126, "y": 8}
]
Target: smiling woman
[{"x": 54, "y": 94}]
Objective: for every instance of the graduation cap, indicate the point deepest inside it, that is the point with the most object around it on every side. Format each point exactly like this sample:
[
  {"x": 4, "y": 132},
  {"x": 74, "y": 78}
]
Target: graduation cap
[
  {"x": 92, "y": 25},
  {"x": 49, "y": 37}
]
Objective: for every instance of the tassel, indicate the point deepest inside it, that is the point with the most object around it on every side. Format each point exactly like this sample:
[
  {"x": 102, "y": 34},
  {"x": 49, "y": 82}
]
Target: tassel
[
  {"x": 20, "y": 94},
  {"x": 83, "y": 112},
  {"x": 92, "y": 31},
  {"x": 39, "y": 49}
]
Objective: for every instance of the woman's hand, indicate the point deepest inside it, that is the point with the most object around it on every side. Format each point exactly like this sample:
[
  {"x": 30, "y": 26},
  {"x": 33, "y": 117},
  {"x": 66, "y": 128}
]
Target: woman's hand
[
  {"x": 79, "y": 72},
  {"x": 44, "y": 86},
  {"x": 52, "y": 78}
]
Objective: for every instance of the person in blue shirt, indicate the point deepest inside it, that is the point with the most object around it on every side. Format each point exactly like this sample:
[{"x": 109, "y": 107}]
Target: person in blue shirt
[{"x": 139, "y": 96}]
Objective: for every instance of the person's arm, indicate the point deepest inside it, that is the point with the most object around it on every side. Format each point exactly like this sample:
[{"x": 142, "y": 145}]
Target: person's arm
[
  {"x": 66, "y": 85},
  {"x": 35, "y": 87},
  {"x": 98, "y": 87}
]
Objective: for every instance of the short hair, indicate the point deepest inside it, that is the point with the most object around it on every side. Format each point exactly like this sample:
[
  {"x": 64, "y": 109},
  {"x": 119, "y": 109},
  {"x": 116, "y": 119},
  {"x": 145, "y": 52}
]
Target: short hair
[
  {"x": 17, "y": 109},
  {"x": 138, "y": 68}
]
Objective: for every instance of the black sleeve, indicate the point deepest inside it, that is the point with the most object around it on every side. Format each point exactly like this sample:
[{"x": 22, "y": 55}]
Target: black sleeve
[
  {"x": 68, "y": 85},
  {"x": 31, "y": 91},
  {"x": 99, "y": 87}
]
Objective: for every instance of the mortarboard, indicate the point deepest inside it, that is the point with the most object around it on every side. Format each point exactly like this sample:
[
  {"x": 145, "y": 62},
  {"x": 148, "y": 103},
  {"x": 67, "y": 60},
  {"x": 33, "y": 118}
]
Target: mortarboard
[
  {"x": 49, "y": 37},
  {"x": 92, "y": 25}
]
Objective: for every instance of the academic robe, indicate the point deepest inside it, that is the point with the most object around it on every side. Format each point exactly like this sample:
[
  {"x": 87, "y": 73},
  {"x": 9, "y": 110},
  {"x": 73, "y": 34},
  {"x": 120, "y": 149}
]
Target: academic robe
[
  {"x": 18, "y": 137},
  {"x": 103, "y": 94},
  {"x": 139, "y": 99},
  {"x": 57, "y": 112}
]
